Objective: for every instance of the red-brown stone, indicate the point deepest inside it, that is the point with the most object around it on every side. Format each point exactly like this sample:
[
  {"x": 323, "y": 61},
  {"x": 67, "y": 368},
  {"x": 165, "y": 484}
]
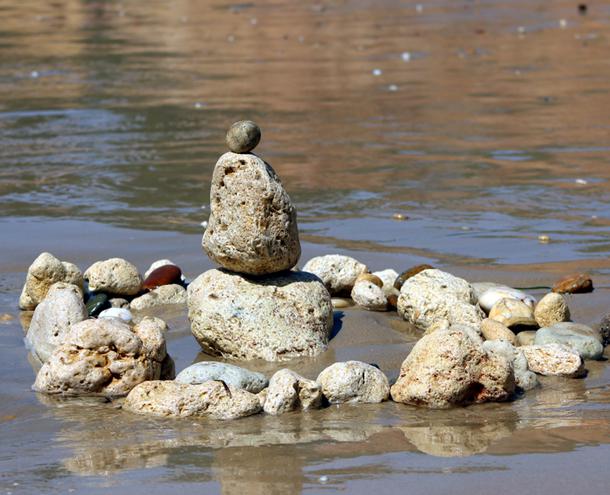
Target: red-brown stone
[
  {"x": 574, "y": 284},
  {"x": 164, "y": 275}
]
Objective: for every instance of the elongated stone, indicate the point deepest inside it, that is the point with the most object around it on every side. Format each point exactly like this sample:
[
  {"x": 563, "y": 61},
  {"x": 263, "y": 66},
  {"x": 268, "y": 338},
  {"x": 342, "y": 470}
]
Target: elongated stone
[
  {"x": 574, "y": 284},
  {"x": 164, "y": 275}
]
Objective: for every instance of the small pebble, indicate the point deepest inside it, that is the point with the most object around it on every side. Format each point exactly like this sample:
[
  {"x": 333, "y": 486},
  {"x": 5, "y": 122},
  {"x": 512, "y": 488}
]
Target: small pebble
[
  {"x": 198, "y": 105},
  {"x": 120, "y": 313},
  {"x": 243, "y": 136},
  {"x": 164, "y": 275},
  {"x": 5, "y": 317},
  {"x": 204, "y": 224},
  {"x": 574, "y": 284},
  {"x": 544, "y": 239},
  {"x": 341, "y": 302},
  {"x": 34, "y": 74},
  {"x": 377, "y": 72},
  {"x": 563, "y": 23},
  {"x": 323, "y": 479},
  {"x": 582, "y": 8},
  {"x": 399, "y": 216},
  {"x": 392, "y": 87},
  {"x": 582, "y": 182},
  {"x": 406, "y": 56},
  {"x": 419, "y": 8}
]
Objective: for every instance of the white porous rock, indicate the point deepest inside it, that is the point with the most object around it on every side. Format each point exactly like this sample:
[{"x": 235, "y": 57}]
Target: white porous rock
[
  {"x": 120, "y": 313},
  {"x": 105, "y": 357},
  {"x": 433, "y": 298},
  {"x": 114, "y": 276},
  {"x": 552, "y": 309},
  {"x": 252, "y": 227},
  {"x": 61, "y": 308},
  {"x": 164, "y": 294},
  {"x": 232, "y": 375},
  {"x": 524, "y": 378},
  {"x": 274, "y": 318},
  {"x": 493, "y": 295},
  {"x": 172, "y": 399},
  {"x": 45, "y": 271},
  {"x": 289, "y": 391},
  {"x": 369, "y": 296},
  {"x": 338, "y": 272},
  {"x": 581, "y": 338},
  {"x": 512, "y": 313},
  {"x": 449, "y": 367},
  {"x": 352, "y": 382},
  {"x": 553, "y": 359},
  {"x": 158, "y": 264},
  {"x": 388, "y": 277}
]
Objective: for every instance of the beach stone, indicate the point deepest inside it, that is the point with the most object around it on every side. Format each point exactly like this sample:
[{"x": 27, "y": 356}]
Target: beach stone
[
  {"x": 553, "y": 359},
  {"x": 114, "y": 276},
  {"x": 434, "y": 299},
  {"x": 165, "y": 294},
  {"x": 369, "y": 296},
  {"x": 97, "y": 303},
  {"x": 449, "y": 367},
  {"x": 352, "y": 382},
  {"x": 273, "y": 318},
  {"x": 120, "y": 313},
  {"x": 172, "y": 399},
  {"x": 338, "y": 272},
  {"x": 44, "y": 271},
  {"x": 234, "y": 376},
  {"x": 388, "y": 277},
  {"x": 551, "y": 309},
  {"x": 341, "y": 302},
  {"x": 104, "y": 357},
  {"x": 369, "y": 277},
  {"x": 526, "y": 338},
  {"x": 118, "y": 302},
  {"x": 289, "y": 391},
  {"x": 164, "y": 275},
  {"x": 512, "y": 313},
  {"x": 61, "y": 308},
  {"x": 494, "y": 295},
  {"x": 158, "y": 264},
  {"x": 524, "y": 378},
  {"x": 494, "y": 330},
  {"x": 574, "y": 284},
  {"x": 581, "y": 338},
  {"x": 604, "y": 329},
  {"x": 407, "y": 274},
  {"x": 243, "y": 136},
  {"x": 252, "y": 227}
]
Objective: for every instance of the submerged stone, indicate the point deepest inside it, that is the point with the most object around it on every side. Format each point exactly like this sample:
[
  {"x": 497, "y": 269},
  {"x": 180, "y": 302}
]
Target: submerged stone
[{"x": 233, "y": 376}]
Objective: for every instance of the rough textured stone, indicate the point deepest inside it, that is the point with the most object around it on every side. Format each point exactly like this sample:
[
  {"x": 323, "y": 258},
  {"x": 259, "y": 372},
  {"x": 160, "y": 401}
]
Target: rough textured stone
[
  {"x": 166, "y": 294},
  {"x": 524, "y": 378},
  {"x": 118, "y": 302},
  {"x": 551, "y": 309},
  {"x": 369, "y": 296},
  {"x": 553, "y": 359},
  {"x": 433, "y": 299},
  {"x": 512, "y": 313},
  {"x": 114, "y": 276},
  {"x": 494, "y": 330},
  {"x": 104, "y": 357},
  {"x": 407, "y": 274},
  {"x": 450, "y": 367},
  {"x": 526, "y": 338},
  {"x": 273, "y": 318},
  {"x": 234, "y": 376},
  {"x": 494, "y": 295},
  {"x": 289, "y": 391},
  {"x": 353, "y": 381},
  {"x": 604, "y": 329},
  {"x": 338, "y": 272},
  {"x": 388, "y": 277},
  {"x": 581, "y": 338},
  {"x": 169, "y": 398},
  {"x": 252, "y": 227},
  {"x": 243, "y": 136},
  {"x": 574, "y": 284},
  {"x": 62, "y": 307}
]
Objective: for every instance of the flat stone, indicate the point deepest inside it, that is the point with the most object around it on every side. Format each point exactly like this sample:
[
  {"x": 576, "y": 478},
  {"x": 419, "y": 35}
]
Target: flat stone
[
  {"x": 492, "y": 296},
  {"x": 166, "y": 294},
  {"x": 289, "y": 391},
  {"x": 524, "y": 378},
  {"x": 512, "y": 313},
  {"x": 338, "y": 272},
  {"x": 234, "y": 376},
  {"x": 551, "y": 309},
  {"x": 353, "y": 382},
  {"x": 553, "y": 359},
  {"x": 114, "y": 276},
  {"x": 581, "y": 338},
  {"x": 341, "y": 302},
  {"x": 574, "y": 284},
  {"x": 243, "y": 136},
  {"x": 369, "y": 296},
  {"x": 494, "y": 330}
]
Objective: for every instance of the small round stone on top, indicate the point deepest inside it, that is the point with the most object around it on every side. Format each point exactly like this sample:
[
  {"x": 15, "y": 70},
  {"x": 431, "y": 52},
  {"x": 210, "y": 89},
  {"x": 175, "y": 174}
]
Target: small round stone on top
[{"x": 243, "y": 136}]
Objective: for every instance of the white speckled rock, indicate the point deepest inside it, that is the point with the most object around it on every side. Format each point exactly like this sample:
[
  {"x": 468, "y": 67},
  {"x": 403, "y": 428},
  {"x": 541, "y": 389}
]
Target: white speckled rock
[
  {"x": 369, "y": 296},
  {"x": 289, "y": 391},
  {"x": 61, "y": 308},
  {"x": 553, "y": 359},
  {"x": 42, "y": 274},
  {"x": 252, "y": 227},
  {"x": 388, "y": 277},
  {"x": 551, "y": 309},
  {"x": 449, "y": 367},
  {"x": 494, "y": 330},
  {"x": 581, "y": 338},
  {"x": 158, "y": 264},
  {"x": 104, "y": 357},
  {"x": 234, "y": 376},
  {"x": 120, "y": 313},
  {"x": 114, "y": 276},
  {"x": 338, "y": 272},
  {"x": 273, "y": 318},
  {"x": 169, "y": 398},
  {"x": 434, "y": 298},
  {"x": 512, "y": 313},
  {"x": 165, "y": 294},
  {"x": 493, "y": 295},
  {"x": 353, "y": 381},
  {"x": 524, "y": 378}
]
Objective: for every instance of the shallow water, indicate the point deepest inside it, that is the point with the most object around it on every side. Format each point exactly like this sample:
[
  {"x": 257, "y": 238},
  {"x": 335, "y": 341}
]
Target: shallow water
[{"x": 493, "y": 132}]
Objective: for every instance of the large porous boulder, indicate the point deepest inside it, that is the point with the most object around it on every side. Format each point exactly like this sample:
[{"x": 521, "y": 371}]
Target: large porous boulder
[
  {"x": 273, "y": 318},
  {"x": 252, "y": 227},
  {"x": 232, "y": 375},
  {"x": 553, "y": 359},
  {"x": 42, "y": 274},
  {"x": 353, "y": 381},
  {"x": 165, "y": 294},
  {"x": 339, "y": 273},
  {"x": 450, "y": 367},
  {"x": 289, "y": 391},
  {"x": 169, "y": 398},
  {"x": 53, "y": 317},
  {"x": 524, "y": 378},
  {"x": 369, "y": 295},
  {"x": 105, "y": 357},
  {"x": 552, "y": 308},
  {"x": 436, "y": 299},
  {"x": 115, "y": 276},
  {"x": 581, "y": 338}
]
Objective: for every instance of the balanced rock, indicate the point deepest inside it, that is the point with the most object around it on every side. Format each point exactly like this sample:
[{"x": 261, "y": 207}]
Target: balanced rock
[
  {"x": 553, "y": 359},
  {"x": 252, "y": 227},
  {"x": 352, "y": 382},
  {"x": 289, "y": 391},
  {"x": 512, "y": 313},
  {"x": 169, "y": 398},
  {"x": 273, "y": 318},
  {"x": 61, "y": 308},
  {"x": 114, "y": 276},
  {"x": 551, "y": 309},
  {"x": 234, "y": 376},
  {"x": 338, "y": 272},
  {"x": 524, "y": 378},
  {"x": 494, "y": 330},
  {"x": 165, "y": 294},
  {"x": 581, "y": 338},
  {"x": 450, "y": 367},
  {"x": 243, "y": 136}
]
